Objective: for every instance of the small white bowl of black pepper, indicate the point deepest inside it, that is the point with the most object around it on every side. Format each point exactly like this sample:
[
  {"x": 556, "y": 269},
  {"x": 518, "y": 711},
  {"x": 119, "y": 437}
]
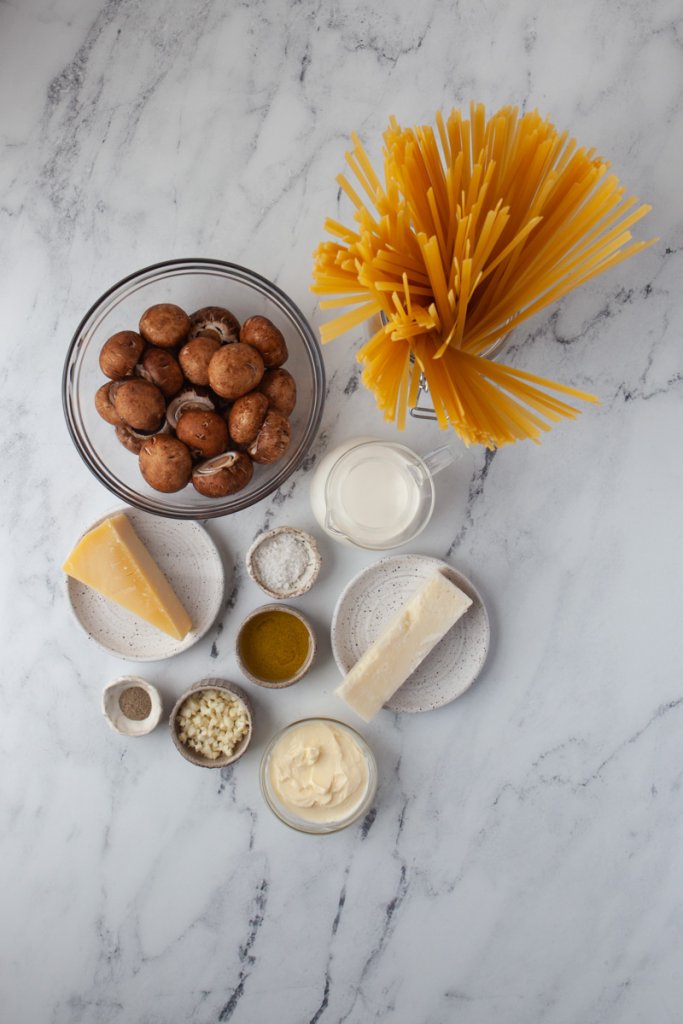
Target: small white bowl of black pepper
[{"x": 131, "y": 705}]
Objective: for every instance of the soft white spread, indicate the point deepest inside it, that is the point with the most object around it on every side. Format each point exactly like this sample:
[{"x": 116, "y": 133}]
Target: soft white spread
[{"x": 318, "y": 772}]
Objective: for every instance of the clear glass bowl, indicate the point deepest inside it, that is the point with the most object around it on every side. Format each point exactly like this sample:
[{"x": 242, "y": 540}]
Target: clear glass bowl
[
  {"x": 302, "y": 824},
  {"x": 191, "y": 284}
]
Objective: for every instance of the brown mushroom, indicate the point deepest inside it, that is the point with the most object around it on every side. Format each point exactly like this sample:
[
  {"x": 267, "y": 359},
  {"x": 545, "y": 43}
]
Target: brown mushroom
[
  {"x": 160, "y": 367},
  {"x": 164, "y": 325},
  {"x": 272, "y": 440},
  {"x": 165, "y": 463},
  {"x": 279, "y": 387},
  {"x": 227, "y": 474},
  {"x": 195, "y": 356},
  {"x": 268, "y": 339},
  {"x": 246, "y": 416},
  {"x": 128, "y": 439},
  {"x": 215, "y": 320},
  {"x": 120, "y": 354},
  {"x": 205, "y": 433},
  {"x": 235, "y": 369},
  {"x": 104, "y": 405},
  {"x": 139, "y": 403},
  {"x": 193, "y": 396}
]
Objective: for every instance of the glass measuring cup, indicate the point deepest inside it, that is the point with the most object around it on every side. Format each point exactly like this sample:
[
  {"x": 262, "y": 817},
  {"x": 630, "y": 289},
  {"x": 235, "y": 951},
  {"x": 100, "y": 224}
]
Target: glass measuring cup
[{"x": 376, "y": 494}]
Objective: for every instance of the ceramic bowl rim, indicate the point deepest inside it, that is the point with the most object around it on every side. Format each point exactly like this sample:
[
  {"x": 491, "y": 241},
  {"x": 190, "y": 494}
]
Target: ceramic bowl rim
[
  {"x": 315, "y": 561},
  {"x": 312, "y": 646},
  {"x": 212, "y": 683},
  {"x": 143, "y": 727}
]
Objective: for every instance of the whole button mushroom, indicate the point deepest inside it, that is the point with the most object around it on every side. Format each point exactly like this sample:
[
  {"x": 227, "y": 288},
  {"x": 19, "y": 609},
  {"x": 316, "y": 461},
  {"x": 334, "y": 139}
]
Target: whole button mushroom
[
  {"x": 216, "y": 321},
  {"x": 165, "y": 463},
  {"x": 139, "y": 404},
  {"x": 160, "y": 367},
  {"x": 129, "y": 440},
  {"x": 225, "y": 387},
  {"x": 105, "y": 406},
  {"x": 205, "y": 433},
  {"x": 195, "y": 356},
  {"x": 192, "y": 396},
  {"x": 164, "y": 325},
  {"x": 133, "y": 439},
  {"x": 272, "y": 440},
  {"x": 235, "y": 369},
  {"x": 227, "y": 474},
  {"x": 120, "y": 354},
  {"x": 279, "y": 387},
  {"x": 246, "y": 417},
  {"x": 268, "y": 339}
]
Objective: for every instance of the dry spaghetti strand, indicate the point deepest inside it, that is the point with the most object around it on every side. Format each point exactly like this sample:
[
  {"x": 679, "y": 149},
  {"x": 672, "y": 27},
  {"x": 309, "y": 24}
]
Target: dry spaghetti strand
[{"x": 473, "y": 227}]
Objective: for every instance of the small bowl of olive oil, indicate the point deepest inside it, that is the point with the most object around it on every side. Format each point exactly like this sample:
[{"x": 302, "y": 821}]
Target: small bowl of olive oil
[{"x": 275, "y": 646}]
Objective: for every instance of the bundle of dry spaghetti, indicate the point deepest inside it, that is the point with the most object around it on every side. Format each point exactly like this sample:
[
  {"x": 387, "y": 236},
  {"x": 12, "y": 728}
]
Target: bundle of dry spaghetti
[{"x": 477, "y": 225}]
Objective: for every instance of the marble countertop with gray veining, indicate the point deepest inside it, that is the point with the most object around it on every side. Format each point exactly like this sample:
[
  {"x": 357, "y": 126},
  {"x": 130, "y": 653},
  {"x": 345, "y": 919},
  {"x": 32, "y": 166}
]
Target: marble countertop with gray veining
[{"x": 522, "y": 863}]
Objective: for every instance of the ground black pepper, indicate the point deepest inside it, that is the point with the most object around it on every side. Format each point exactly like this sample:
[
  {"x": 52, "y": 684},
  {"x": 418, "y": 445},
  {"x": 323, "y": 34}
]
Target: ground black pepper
[{"x": 135, "y": 703}]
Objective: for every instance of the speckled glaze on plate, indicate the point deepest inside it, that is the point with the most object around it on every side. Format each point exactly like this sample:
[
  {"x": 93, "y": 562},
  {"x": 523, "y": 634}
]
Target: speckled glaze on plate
[
  {"x": 190, "y": 561},
  {"x": 376, "y": 595}
]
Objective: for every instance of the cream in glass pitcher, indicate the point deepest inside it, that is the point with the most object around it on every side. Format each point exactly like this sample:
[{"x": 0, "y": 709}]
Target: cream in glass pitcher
[{"x": 375, "y": 494}]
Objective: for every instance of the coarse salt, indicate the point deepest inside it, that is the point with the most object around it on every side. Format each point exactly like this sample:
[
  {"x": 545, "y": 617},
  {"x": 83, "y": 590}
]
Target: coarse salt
[{"x": 284, "y": 562}]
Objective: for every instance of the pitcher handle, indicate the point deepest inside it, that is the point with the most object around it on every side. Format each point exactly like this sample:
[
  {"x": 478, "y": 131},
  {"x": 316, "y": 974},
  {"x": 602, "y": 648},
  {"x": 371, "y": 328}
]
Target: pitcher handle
[{"x": 440, "y": 458}]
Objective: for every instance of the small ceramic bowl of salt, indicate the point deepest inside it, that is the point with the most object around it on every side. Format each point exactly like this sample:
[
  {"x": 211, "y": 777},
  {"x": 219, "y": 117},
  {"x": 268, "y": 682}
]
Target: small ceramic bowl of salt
[{"x": 284, "y": 562}]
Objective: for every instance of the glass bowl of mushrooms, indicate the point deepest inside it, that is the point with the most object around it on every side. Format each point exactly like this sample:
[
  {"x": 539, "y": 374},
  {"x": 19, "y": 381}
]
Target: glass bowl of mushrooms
[{"x": 193, "y": 388}]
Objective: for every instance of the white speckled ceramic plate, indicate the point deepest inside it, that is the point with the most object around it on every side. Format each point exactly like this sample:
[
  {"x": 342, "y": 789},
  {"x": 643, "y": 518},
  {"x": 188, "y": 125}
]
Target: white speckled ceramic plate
[
  {"x": 188, "y": 558},
  {"x": 375, "y": 596}
]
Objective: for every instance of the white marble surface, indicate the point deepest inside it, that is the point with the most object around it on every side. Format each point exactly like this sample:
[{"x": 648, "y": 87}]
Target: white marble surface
[{"x": 524, "y": 861}]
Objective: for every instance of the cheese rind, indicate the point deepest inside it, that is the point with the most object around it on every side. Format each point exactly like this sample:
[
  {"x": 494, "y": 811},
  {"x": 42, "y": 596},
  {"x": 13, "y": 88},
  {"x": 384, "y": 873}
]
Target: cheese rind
[
  {"x": 112, "y": 560},
  {"x": 404, "y": 644}
]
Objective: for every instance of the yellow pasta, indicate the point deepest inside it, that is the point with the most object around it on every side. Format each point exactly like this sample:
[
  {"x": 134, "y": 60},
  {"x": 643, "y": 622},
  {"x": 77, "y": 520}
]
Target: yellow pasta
[{"x": 475, "y": 227}]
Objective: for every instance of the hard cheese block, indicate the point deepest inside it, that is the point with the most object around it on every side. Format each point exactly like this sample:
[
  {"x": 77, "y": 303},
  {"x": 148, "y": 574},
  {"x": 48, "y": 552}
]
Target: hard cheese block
[
  {"x": 417, "y": 629},
  {"x": 112, "y": 559}
]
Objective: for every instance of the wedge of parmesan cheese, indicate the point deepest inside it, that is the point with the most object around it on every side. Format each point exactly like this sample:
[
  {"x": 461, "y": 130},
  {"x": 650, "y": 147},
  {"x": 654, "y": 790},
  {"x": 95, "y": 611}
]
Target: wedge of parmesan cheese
[
  {"x": 422, "y": 622},
  {"x": 112, "y": 559}
]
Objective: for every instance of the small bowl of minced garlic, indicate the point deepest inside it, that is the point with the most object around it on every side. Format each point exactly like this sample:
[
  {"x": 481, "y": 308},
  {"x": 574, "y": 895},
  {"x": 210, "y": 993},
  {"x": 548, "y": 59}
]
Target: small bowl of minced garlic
[{"x": 211, "y": 723}]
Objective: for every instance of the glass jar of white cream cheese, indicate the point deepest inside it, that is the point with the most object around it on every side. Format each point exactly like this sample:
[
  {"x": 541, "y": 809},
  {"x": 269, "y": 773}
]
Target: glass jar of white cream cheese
[{"x": 318, "y": 775}]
